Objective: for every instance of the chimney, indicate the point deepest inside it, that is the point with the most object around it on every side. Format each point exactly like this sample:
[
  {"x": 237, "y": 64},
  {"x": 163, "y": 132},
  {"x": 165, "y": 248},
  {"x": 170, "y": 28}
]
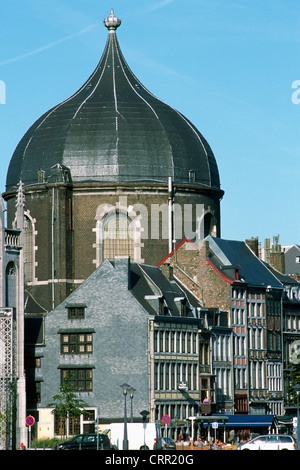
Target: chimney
[
  {"x": 204, "y": 248},
  {"x": 253, "y": 245},
  {"x": 122, "y": 265},
  {"x": 167, "y": 270},
  {"x": 277, "y": 261},
  {"x": 236, "y": 272}
]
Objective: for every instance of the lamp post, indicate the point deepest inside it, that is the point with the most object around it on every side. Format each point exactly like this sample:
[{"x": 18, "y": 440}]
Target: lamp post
[
  {"x": 297, "y": 390},
  {"x": 144, "y": 414},
  {"x": 125, "y": 388},
  {"x": 192, "y": 420},
  {"x": 131, "y": 394}
]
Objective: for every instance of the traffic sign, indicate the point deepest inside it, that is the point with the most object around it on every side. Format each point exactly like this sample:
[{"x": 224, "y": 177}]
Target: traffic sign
[
  {"x": 295, "y": 422},
  {"x": 166, "y": 419},
  {"x": 30, "y": 420},
  {"x": 215, "y": 424}
]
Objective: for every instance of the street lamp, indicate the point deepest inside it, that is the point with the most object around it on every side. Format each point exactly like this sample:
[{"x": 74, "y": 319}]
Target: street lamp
[
  {"x": 297, "y": 390},
  {"x": 192, "y": 420},
  {"x": 144, "y": 414},
  {"x": 125, "y": 388},
  {"x": 131, "y": 394}
]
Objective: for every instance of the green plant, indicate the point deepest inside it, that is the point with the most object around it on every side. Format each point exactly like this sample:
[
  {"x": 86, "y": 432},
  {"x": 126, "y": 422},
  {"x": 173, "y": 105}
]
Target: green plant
[{"x": 66, "y": 404}]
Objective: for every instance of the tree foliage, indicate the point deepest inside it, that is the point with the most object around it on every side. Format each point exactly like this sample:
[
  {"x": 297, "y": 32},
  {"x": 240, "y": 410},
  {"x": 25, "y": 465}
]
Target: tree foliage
[
  {"x": 66, "y": 404},
  {"x": 294, "y": 373}
]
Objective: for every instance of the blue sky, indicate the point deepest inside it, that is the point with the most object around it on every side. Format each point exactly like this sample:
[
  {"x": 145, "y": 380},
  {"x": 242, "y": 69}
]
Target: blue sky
[{"x": 227, "y": 65}]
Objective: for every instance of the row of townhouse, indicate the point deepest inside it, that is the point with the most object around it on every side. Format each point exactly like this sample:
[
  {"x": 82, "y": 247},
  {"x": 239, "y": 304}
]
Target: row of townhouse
[
  {"x": 209, "y": 332},
  {"x": 252, "y": 353}
]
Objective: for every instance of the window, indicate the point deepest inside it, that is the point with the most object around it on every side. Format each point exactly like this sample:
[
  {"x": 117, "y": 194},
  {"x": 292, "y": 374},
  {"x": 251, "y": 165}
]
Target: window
[
  {"x": 11, "y": 285},
  {"x": 82, "y": 379},
  {"x": 76, "y": 312},
  {"x": 77, "y": 343},
  {"x": 262, "y": 439},
  {"x": 286, "y": 439},
  {"x": 210, "y": 225},
  {"x": 173, "y": 335},
  {"x": 192, "y": 176},
  {"x": 119, "y": 231},
  {"x": 118, "y": 236},
  {"x": 163, "y": 309},
  {"x": 28, "y": 249},
  {"x": 60, "y": 425}
]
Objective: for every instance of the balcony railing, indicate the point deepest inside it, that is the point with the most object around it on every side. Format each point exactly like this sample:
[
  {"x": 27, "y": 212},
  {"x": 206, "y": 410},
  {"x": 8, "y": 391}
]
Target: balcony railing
[{"x": 12, "y": 238}]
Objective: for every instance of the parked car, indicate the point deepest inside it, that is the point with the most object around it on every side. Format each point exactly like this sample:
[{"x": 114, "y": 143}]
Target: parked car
[
  {"x": 86, "y": 442},
  {"x": 269, "y": 442},
  {"x": 168, "y": 443}
]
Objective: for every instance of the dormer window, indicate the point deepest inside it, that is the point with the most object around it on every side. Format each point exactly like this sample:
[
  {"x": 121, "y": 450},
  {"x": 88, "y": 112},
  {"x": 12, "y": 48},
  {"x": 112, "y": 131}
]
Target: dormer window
[
  {"x": 76, "y": 311},
  {"x": 192, "y": 176},
  {"x": 182, "y": 305},
  {"x": 183, "y": 308},
  {"x": 163, "y": 309}
]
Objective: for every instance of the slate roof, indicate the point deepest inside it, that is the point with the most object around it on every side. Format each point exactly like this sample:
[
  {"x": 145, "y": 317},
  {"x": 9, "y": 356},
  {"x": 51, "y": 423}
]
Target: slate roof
[
  {"x": 148, "y": 284},
  {"x": 114, "y": 130},
  {"x": 228, "y": 254},
  {"x": 171, "y": 291},
  {"x": 290, "y": 255}
]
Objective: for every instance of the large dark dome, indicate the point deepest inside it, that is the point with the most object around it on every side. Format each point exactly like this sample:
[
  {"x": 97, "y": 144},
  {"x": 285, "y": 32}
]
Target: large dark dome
[{"x": 114, "y": 130}]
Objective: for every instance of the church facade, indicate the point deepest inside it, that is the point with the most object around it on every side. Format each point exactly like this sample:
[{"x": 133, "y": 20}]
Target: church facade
[{"x": 111, "y": 171}]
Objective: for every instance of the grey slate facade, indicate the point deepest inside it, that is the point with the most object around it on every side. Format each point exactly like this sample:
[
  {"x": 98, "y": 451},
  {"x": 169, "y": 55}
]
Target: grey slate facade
[
  {"x": 128, "y": 308},
  {"x": 120, "y": 341}
]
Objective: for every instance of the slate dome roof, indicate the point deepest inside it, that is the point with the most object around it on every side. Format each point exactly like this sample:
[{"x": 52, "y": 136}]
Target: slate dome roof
[{"x": 114, "y": 130}]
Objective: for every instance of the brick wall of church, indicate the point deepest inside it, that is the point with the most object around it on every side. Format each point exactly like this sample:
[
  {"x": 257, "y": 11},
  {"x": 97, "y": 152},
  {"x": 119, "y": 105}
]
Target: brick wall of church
[{"x": 66, "y": 219}]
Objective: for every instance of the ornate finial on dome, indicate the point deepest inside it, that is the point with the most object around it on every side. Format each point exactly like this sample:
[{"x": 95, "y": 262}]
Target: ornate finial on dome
[{"x": 112, "y": 22}]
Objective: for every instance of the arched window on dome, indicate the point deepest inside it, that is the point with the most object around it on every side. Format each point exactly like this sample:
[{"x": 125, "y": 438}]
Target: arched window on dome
[
  {"x": 118, "y": 236},
  {"x": 118, "y": 233},
  {"x": 208, "y": 225}
]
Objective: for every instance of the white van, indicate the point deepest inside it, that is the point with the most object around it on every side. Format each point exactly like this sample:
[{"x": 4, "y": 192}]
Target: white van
[
  {"x": 140, "y": 435},
  {"x": 269, "y": 442}
]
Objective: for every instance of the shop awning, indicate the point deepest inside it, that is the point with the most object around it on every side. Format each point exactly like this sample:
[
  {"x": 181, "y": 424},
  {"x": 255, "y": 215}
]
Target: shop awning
[
  {"x": 242, "y": 421},
  {"x": 285, "y": 420}
]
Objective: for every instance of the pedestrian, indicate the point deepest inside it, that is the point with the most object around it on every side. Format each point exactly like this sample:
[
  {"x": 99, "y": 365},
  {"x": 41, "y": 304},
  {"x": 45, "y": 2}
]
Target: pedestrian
[{"x": 199, "y": 443}]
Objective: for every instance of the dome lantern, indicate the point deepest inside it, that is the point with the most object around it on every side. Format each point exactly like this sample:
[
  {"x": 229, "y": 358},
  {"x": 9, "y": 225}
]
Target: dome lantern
[{"x": 112, "y": 22}]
